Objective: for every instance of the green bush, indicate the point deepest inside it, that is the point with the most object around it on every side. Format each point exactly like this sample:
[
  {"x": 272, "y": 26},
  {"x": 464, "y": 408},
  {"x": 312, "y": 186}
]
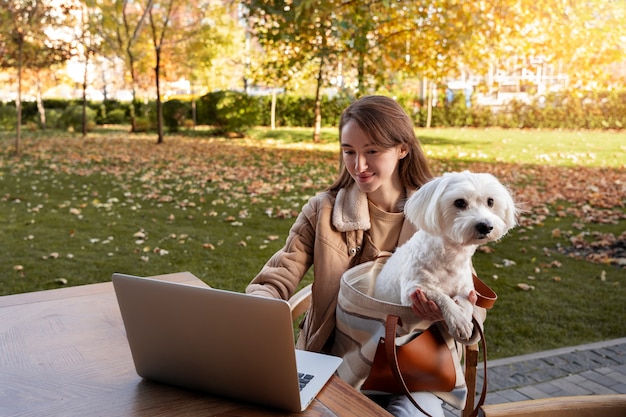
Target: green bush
[
  {"x": 72, "y": 118},
  {"x": 144, "y": 124},
  {"x": 236, "y": 112},
  {"x": 175, "y": 114},
  {"x": 145, "y": 116},
  {"x": 332, "y": 109},
  {"x": 116, "y": 117},
  {"x": 56, "y": 103},
  {"x": 229, "y": 111},
  {"x": 53, "y": 117},
  {"x": 8, "y": 116},
  {"x": 30, "y": 113},
  {"x": 143, "y": 109},
  {"x": 293, "y": 110},
  {"x": 297, "y": 111},
  {"x": 113, "y": 112}
]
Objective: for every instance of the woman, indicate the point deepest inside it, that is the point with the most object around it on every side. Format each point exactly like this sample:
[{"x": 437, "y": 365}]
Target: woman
[{"x": 351, "y": 222}]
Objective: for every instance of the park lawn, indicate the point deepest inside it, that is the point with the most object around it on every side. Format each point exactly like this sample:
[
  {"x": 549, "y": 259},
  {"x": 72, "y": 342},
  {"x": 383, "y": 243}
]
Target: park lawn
[
  {"x": 73, "y": 211},
  {"x": 521, "y": 146}
]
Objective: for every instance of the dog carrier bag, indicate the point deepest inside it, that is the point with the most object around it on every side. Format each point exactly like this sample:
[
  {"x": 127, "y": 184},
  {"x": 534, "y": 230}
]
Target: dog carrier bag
[{"x": 421, "y": 357}]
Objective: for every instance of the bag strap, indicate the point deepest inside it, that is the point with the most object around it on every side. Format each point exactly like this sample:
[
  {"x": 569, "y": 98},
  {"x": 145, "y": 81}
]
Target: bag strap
[
  {"x": 486, "y": 296},
  {"x": 392, "y": 358},
  {"x": 483, "y": 343}
]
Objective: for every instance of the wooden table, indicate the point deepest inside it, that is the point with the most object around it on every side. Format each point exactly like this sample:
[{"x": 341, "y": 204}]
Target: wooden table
[{"x": 64, "y": 353}]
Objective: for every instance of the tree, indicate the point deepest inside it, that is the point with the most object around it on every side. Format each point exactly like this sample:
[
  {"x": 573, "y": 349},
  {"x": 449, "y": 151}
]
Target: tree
[
  {"x": 119, "y": 24},
  {"x": 377, "y": 39},
  {"x": 297, "y": 34},
  {"x": 582, "y": 36},
  {"x": 179, "y": 25},
  {"x": 159, "y": 23},
  {"x": 89, "y": 44},
  {"x": 31, "y": 36},
  {"x": 209, "y": 56}
]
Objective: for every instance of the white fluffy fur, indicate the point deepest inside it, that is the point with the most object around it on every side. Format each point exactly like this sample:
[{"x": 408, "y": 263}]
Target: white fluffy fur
[{"x": 454, "y": 214}]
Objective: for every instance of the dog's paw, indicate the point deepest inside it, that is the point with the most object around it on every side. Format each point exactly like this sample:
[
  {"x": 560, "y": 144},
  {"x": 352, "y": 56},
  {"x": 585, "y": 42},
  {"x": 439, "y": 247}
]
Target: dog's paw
[{"x": 461, "y": 328}]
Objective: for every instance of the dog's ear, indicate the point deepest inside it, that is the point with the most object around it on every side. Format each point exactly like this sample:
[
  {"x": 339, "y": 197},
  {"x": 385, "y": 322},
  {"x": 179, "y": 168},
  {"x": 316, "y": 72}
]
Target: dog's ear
[
  {"x": 504, "y": 195},
  {"x": 421, "y": 208},
  {"x": 511, "y": 210}
]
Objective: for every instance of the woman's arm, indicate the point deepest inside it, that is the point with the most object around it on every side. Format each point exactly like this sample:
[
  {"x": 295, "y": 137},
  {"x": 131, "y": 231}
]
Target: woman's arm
[{"x": 282, "y": 273}]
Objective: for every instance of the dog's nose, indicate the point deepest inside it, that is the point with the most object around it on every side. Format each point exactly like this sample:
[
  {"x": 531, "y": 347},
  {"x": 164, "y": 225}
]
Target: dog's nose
[{"x": 484, "y": 228}]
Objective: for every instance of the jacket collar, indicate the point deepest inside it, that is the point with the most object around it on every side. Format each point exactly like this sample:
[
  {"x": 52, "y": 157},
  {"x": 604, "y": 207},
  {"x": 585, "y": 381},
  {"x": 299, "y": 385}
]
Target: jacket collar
[{"x": 351, "y": 210}]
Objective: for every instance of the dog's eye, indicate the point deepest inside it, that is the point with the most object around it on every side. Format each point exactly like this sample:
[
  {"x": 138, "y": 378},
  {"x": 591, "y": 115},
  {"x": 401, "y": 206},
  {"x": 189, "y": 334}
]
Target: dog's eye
[
  {"x": 460, "y": 204},
  {"x": 490, "y": 202}
]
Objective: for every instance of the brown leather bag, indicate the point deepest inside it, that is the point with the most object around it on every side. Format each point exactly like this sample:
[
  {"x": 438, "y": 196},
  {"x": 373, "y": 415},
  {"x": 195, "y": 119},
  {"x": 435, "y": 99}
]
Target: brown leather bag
[
  {"x": 419, "y": 365},
  {"x": 425, "y": 363}
]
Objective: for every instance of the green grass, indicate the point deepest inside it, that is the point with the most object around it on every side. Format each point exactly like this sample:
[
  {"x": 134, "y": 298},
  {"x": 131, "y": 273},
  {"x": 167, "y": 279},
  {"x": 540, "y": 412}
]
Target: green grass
[
  {"x": 494, "y": 145},
  {"x": 73, "y": 211},
  {"x": 549, "y": 147}
]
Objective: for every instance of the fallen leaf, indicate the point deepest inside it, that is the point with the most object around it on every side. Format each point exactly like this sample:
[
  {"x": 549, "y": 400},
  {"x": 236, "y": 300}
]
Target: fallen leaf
[{"x": 508, "y": 263}]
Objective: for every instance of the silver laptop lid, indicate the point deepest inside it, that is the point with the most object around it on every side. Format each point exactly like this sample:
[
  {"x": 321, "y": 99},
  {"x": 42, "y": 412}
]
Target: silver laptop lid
[{"x": 220, "y": 342}]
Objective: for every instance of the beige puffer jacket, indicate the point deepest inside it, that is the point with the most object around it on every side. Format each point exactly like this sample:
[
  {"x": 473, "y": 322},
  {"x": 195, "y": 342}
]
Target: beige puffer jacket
[{"x": 330, "y": 234}]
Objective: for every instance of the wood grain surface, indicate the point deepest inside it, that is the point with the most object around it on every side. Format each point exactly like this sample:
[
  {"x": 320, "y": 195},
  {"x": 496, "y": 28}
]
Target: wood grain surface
[{"x": 64, "y": 353}]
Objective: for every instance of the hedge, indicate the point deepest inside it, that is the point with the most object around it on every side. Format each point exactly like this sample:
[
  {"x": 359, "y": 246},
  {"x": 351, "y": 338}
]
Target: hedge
[{"x": 236, "y": 112}]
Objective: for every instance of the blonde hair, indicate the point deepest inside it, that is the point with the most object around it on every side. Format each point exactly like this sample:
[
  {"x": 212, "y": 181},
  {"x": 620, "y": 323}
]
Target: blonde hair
[{"x": 387, "y": 125}]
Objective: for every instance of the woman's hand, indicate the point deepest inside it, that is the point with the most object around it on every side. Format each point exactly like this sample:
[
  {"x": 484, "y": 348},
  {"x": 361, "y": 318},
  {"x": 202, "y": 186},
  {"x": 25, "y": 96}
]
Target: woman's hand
[
  {"x": 425, "y": 308},
  {"x": 428, "y": 309}
]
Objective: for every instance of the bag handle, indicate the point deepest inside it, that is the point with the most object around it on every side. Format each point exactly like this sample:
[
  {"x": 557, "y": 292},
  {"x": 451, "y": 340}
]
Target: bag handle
[
  {"x": 483, "y": 344},
  {"x": 486, "y": 296},
  {"x": 392, "y": 357},
  {"x": 390, "y": 348}
]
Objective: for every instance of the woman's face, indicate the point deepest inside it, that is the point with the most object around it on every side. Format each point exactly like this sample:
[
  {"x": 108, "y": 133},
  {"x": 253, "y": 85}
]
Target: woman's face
[{"x": 373, "y": 168}]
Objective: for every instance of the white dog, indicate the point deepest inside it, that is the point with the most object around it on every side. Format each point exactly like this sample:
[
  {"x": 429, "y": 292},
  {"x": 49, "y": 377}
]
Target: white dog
[{"x": 454, "y": 214}]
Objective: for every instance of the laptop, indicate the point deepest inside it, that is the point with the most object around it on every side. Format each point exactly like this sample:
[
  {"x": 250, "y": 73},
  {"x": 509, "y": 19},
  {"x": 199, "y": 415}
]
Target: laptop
[{"x": 219, "y": 342}]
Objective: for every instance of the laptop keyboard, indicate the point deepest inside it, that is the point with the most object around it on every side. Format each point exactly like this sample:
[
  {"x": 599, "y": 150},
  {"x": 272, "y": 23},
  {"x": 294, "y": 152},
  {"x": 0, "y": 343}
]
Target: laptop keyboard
[{"x": 304, "y": 379}]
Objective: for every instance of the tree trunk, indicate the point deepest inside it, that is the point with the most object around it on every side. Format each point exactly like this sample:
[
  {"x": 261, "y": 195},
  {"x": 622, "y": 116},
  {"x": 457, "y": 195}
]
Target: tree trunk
[
  {"x": 40, "y": 106},
  {"x": 85, "y": 95},
  {"x": 194, "y": 116},
  {"x": 429, "y": 104},
  {"x": 273, "y": 110},
  {"x": 18, "y": 101},
  {"x": 133, "y": 76},
  {"x": 318, "y": 103},
  {"x": 159, "y": 105},
  {"x": 361, "y": 74}
]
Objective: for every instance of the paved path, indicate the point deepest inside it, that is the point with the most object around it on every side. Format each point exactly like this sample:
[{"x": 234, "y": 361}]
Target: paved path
[{"x": 596, "y": 368}]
